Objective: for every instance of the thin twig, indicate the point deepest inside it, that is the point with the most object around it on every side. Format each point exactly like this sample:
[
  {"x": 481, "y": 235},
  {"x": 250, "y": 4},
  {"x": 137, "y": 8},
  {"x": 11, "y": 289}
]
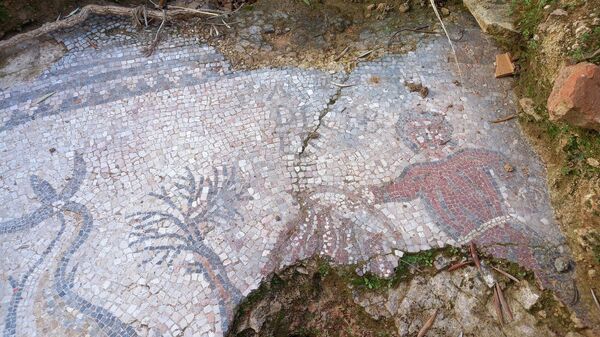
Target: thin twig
[
  {"x": 152, "y": 47},
  {"x": 474, "y": 255},
  {"x": 415, "y": 30},
  {"x": 506, "y": 274},
  {"x": 497, "y": 306},
  {"x": 43, "y": 98},
  {"x": 504, "y": 119},
  {"x": 203, "y": 12},
  {"x": 575, "y": 298},
  {"x": 228, "y": 24},
  {"x": 365, "y": 54},
  {"x": 427, "y": 324},
  {"x": 503, "y": 302},
  {"x": 342, "y": 85},
  {"x": 342, "y": 54},
  {"x": 459, "y": 265},
  {"x": 592, "y": 55},
  {"x": 73, "y": 12},
  {"x": 595, "y": 298},
  {"x": 145, "y": 17}
]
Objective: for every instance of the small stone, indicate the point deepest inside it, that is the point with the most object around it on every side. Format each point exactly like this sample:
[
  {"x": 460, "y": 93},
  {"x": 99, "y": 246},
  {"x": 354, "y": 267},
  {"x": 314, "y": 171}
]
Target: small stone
[
  {"x": 573, "y": 334},
  {"x": 542, "y": 314},
  {"x": 593, "y": 162},
  {"x": 508, "y": 167},
  {"x": 559, "y": 12},
  {"x": 528, "y": 107},
  {"x": 268, "y": 29},
  {"x": 526, "y": 295},
  {"x": 302, "y": 270},
  {"x": 577, "y": 321},
  {"x": 487, "y": 276},
  {"x": 592, "y": 273},
  {"x": 403, "y": 8},
  {"x": 445, "y": 11},
  {"x": 561, "y": 264},
  {"x": 441, "y": 262}
]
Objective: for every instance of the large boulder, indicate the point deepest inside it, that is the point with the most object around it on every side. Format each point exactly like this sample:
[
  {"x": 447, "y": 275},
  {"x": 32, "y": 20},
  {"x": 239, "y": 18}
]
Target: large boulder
[{"x": 575, "y": 98}]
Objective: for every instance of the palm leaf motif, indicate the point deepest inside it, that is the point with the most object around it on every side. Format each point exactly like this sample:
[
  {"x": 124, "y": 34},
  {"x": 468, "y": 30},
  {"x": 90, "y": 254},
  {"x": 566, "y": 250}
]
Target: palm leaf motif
[
  {"x": 194, "y": 207},
  {"x": 63, "y": 275}
]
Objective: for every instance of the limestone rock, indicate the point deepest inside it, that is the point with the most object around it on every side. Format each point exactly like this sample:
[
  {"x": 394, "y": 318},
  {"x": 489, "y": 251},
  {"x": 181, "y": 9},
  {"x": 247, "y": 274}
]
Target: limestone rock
[
  {"x": 441, "y": 262},
  {"x": 526, "y": 295},
  {"x": 528, "y": 107},
  {"x": 492, "y": 16},
  {"x": 575, "y": 97},
  {"x": 561, "y": 264}
]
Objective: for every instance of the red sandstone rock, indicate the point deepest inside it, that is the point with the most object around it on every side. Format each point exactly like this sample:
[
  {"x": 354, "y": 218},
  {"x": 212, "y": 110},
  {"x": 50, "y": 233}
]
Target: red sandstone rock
[{"x": 575, "y": 98}]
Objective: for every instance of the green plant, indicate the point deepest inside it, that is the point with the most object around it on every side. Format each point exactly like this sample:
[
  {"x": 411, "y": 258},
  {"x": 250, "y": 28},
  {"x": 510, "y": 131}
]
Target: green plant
[
  {"x": 421, "y": 259},
  {"x": 370, "y": 281},
  {"x": 324, "y": 268},
  {"x": 588, "y": 43}
]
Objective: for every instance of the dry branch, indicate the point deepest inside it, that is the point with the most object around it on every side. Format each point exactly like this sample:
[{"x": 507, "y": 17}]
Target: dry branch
[
  {"x": 459, "y": 265},
  {"x": 503, "y": 302},
  {"x": 506, "y": 274},
  {"x": 498, "y": 306},
  {"x": 474, "y": 255},
  {"x": 428, "y": 324},
  {"x": 503, "y": 119},
  {"x": 85, "y": 12}
]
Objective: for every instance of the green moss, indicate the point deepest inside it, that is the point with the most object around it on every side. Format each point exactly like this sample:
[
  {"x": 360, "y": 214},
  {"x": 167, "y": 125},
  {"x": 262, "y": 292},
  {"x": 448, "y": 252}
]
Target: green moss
[
  {"x": 557, "y": 315},
  {"x": 420, "y": 261},
  {"x": 277, "y": 282},
  {"x": 323, "y": 267}
]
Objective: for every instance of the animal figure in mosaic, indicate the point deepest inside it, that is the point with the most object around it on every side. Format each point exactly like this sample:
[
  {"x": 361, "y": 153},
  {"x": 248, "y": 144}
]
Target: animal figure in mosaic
[
  {"x": 58, "y": 205},
  {"x": 462, "y": 195},
  {"x": 194, "y": 208}
]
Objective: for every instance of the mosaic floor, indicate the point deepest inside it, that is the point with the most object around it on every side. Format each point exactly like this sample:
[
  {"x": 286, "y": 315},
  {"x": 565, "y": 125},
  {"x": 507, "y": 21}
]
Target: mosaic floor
[{"x": 147, "y": 196}]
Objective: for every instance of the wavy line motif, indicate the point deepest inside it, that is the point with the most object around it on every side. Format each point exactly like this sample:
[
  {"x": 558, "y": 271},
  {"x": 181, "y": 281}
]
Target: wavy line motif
[{"x": 51, "y": 202}]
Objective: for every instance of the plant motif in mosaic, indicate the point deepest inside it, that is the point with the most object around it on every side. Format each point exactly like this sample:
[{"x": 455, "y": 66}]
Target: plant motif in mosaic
[
  {"x": 194, "y": 207},
  {"x": 340, "y": 225},
  {"x": 57, "y": 205}
]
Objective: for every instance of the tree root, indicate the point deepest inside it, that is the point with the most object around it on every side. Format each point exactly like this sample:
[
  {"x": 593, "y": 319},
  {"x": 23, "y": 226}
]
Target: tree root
[{"x": 85, "y": 12}]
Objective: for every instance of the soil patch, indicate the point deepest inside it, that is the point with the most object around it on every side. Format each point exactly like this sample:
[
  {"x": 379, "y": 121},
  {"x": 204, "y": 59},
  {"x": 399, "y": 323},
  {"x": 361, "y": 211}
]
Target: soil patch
[{"x": 315, "y": 298}]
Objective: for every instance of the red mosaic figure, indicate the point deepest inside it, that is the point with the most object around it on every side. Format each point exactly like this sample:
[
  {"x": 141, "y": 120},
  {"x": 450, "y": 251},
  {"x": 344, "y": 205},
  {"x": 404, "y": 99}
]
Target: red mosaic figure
[{"x": 462, "y": 196}]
